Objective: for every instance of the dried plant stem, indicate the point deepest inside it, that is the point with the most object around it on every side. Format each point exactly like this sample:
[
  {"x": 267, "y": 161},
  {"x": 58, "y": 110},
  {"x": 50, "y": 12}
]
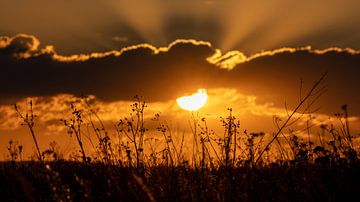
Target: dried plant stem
[
  {"x": 313, "y": 92},
  {"x": 35, "y": 141},
  {"x": 28, "y": 119}
]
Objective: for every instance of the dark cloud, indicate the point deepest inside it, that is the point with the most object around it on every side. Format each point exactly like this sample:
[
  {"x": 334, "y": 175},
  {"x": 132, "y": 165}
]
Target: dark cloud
[
  {"x": 162, "y": 74},
  {"x": 157, "y": 76},
  {"x": 277, "y": 78},
  {"x": 19, "y": 45}
]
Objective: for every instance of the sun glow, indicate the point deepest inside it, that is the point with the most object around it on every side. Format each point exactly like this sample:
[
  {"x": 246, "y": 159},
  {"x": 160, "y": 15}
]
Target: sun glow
[{"x": 193, "y": 102}]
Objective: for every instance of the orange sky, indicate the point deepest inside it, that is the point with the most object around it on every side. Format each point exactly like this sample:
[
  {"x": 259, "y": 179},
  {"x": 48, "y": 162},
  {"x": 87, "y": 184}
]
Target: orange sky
[{"x": 253, "y": 116}]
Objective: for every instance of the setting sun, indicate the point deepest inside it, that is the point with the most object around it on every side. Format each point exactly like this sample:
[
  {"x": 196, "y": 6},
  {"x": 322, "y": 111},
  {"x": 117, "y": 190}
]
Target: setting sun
[{"x": 194, "y": 101}]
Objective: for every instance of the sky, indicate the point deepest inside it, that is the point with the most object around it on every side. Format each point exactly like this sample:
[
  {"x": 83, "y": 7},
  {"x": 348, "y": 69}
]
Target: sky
[{"x": 257, "y": 57}]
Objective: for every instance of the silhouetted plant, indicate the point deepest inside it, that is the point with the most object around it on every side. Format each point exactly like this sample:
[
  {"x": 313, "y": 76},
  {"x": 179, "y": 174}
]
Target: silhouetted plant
[
  {"x": 207, "y": 137},
  {"x": 311, "y": 97},
  {"x": 14, "y": 150},
  {"x": 232, "y": 166},
  {"x": 231, "y": 130},
  {"x": 29, "y": 120},
  {"x": 53, "y": 152},
  {"x": 134, "y": 128},
  {"x": 74, "y": 127}
]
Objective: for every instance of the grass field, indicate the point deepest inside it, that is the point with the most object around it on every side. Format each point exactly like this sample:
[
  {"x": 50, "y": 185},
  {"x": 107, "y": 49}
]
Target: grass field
[
  {"x": 281, "y": 181},
  {"x": 233, "y": 166}
]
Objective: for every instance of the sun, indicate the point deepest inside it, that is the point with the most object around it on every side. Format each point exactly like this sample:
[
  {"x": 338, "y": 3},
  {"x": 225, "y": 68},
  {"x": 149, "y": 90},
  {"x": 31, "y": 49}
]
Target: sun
[{"x": 193, "y": 102}]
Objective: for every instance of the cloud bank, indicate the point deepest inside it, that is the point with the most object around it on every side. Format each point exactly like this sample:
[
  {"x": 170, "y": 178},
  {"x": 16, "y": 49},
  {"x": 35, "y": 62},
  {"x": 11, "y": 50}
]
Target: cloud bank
[{"x": 161, "y": 74}]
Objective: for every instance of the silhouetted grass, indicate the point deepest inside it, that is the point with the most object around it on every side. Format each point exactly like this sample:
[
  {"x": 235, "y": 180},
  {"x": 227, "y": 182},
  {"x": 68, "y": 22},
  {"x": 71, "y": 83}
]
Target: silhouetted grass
[
  {"x": 227, "y": 167},
  {"x": 282, "y": 181}
]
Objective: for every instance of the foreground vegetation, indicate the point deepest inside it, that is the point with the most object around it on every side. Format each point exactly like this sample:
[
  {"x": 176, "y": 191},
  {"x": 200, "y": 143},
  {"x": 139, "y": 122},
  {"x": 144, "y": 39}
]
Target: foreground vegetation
[
  {"x": 282, "y": 181},
  {"x": 234, "y": 166}
]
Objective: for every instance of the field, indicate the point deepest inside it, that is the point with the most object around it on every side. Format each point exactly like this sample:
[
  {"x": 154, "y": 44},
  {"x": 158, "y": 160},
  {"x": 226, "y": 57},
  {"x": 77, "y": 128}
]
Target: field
[
  {"x": 282, "y": 181},
  {"x": 234, "y": 167}
]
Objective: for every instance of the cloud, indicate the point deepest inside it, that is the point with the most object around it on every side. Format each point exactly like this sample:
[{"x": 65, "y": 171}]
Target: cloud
[
  {"x": 20, "y": 46},
  {"x": 277, "y": 77},
  {"x": 231, "y": 59},
  {"x": 164, "y": 73},
  {"x": 139, "y": 69},
  {"x": 119, "y": 39}
]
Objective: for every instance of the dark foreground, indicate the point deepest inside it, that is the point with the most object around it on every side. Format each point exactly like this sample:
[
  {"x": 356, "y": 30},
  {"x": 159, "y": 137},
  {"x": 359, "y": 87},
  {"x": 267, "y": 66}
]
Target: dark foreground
[{"x": 71, "y": 181}]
